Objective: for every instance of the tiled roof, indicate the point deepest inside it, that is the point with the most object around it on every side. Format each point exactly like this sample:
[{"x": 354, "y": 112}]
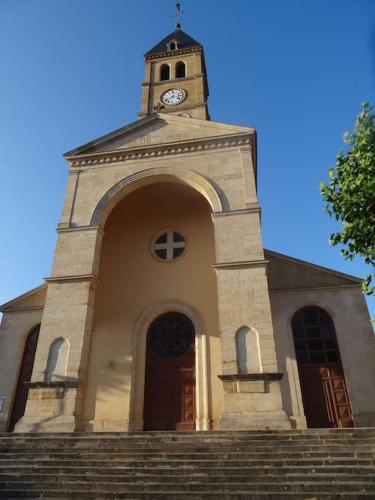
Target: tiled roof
[{"x": 183, "y": 40}]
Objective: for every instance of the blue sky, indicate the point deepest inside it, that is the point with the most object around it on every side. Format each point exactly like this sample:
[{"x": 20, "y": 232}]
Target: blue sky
[{"x": 71, "y": 71}]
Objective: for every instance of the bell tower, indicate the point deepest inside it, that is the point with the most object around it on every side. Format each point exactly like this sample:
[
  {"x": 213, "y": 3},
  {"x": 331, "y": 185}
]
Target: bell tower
[{"x": 175, "y": 78}]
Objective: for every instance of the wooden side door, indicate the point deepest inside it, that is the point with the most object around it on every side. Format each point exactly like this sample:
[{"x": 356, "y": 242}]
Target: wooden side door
[
  {"x": 324, "y": 392},
  {"x": 26, "y": 370},
  {"x": 336, "y": 395},
  {"x": 169, "y": 402}
]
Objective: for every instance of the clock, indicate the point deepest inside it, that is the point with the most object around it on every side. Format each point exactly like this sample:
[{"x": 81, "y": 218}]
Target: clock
[{"x": 173, "y": 96}]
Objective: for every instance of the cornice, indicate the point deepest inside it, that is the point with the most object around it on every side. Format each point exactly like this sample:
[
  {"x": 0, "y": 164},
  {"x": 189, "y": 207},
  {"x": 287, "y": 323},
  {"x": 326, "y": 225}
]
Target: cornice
[
  {"x": 66, "y": 228},
  {"x": 160, "y": 150},
  {"x": 182, "y": 108},
  {"x": 72, "y": 279},
  {"x": 241, "y": 264},
  {"x": 21, "y": 309},
  {"x": 173, "y": 81},
  {"x": 174, "y": 53},
  {"x": 249, "y": 210},
  {"x": 312, "y": 288}
]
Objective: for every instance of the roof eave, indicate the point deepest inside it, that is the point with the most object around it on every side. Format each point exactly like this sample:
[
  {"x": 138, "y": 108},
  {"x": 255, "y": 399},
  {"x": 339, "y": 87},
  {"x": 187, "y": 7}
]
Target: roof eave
[
  {"x": 156, "y": 55},
  {"x": 10, "y": 304},
  {"x": 354, "y": 279}
]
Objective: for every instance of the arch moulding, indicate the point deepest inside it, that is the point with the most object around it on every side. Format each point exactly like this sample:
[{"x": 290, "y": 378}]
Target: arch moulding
[{"x": 151, "y": 176}]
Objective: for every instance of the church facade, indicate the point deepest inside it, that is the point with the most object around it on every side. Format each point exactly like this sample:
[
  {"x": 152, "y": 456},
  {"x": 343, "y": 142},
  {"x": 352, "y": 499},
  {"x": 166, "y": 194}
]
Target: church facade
[{"x": 163, "y": 310}]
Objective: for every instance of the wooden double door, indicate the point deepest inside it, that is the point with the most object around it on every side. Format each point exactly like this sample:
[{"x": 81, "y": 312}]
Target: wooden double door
[
  {"x": 324, "y": 392},
  {"x": 325, "y": 396},
  {"x": 169, "y": 402}
]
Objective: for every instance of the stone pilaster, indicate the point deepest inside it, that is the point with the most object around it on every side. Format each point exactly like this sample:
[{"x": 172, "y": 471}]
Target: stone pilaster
[
  {"x": 243, "y": 301},
  {"x": 56, "y": 406}
]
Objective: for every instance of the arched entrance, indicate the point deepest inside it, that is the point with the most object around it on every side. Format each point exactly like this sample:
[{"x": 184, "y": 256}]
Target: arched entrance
[
  {"x": 144, "y": 273},
  {"x": 324, "y": 393},
  {"x": 24, "y": 376},
  {"x": 169, "y": 402}
]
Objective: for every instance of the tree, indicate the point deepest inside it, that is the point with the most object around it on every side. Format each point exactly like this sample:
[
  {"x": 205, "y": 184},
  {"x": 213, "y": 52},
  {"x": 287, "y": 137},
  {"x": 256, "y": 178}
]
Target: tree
[{"x": 350, "y": 194}]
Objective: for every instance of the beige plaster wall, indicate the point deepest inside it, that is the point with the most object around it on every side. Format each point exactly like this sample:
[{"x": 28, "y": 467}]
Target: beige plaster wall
[
  {"x": 132, "y": 281},
  {"x": 356, "y": 341},
  {"x": 14, "y": 329}
]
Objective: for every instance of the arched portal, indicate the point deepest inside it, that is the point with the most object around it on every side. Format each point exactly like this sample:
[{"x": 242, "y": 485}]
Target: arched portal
[
  {"x": 324, "y": 393},
  {"x": 153, "y": 176},
  {"x": 157, "y": 257},
  {"x": 26, "y": 370},
  {"x": 169, "y": 401}
]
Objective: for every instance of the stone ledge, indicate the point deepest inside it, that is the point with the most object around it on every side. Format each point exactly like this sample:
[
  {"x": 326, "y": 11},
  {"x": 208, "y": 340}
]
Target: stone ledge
[
  {"x": 248, "y": 210},
  {"x": 266, "y": 377},
  {"x": 70, "y": 279},
  {"x": 244, "y": 264},
  {"x": 54, "y": 384},
  {"x": 161, "y": 149}
]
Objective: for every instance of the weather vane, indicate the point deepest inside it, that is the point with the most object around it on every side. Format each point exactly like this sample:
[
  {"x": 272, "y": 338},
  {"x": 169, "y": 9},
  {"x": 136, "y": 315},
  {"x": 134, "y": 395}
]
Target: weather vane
[{"x": 178, "y": 15}]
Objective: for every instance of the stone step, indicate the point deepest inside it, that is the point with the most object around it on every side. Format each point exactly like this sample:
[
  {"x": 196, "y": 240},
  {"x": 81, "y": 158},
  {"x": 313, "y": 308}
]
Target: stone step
[
  {"x": 167, "y": 435},
  {"x": 223, "y": 487},
  {"x": 180, "y": 456},
  {"x": 226, "y": 432},
  {"x": 170, "y": 495},
  {"x": 200, "y": 437},
  {"x": 262, "y": 470},
  {"x": 308, "y": 465},
  {"x": 139, "y": 455},
  {"x": 147, "y": 435},
  {"x": 196, "y": 478},
  {"x": 197, "y": 447},
  {"x": 198, "y": 463}
]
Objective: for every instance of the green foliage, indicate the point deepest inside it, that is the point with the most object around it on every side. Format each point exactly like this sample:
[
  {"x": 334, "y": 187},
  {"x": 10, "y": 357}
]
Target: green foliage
[{"x": 350, "y": 194}]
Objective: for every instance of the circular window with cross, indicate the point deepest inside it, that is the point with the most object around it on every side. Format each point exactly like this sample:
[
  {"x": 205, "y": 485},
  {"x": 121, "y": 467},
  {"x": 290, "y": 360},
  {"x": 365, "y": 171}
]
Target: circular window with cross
[{"x": 168, "y": 246}]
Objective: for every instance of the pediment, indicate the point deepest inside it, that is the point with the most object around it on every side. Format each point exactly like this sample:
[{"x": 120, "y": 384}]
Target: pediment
[
  {"x": 158, "y": 129},
  {"x": 288, "y": 273},
  {"x": 33, "y": 299}
]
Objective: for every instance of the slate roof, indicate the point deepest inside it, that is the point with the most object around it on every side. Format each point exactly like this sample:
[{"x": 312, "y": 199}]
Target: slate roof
[{"x": 184, "y": 42}]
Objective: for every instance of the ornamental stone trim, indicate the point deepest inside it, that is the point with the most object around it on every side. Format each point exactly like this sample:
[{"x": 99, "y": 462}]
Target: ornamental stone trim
[
  {"x": 175, "y": 80},
  {"x": 250, "y": 210},
  {"x": 157, "y": 151},
  {"x": 247, "y": 263},
  {"x": 55, "y": 384},
  {"x": 174, "y": 53},
  {"x": 268, "y": 377},
  {"x": 251, "y": 383},
  {"x": 82, "y": 277},
  {"x": 79, "y": 228},
  {"x": 193, "y": 179},
  {"x": 18, "y": 309}
]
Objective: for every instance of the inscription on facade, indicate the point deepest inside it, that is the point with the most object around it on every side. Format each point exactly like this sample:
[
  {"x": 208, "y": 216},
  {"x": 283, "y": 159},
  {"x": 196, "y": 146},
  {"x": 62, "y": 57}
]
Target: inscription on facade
[{"x": 156, "y": 139}]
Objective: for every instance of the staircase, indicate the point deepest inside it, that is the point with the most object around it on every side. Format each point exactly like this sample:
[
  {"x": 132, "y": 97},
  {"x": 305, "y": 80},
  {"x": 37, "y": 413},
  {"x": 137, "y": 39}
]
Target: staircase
[{"x": 312, "y": 464}]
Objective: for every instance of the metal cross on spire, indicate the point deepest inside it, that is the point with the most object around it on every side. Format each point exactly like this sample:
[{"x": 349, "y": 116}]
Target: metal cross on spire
[{"x": 178, "y": 15}]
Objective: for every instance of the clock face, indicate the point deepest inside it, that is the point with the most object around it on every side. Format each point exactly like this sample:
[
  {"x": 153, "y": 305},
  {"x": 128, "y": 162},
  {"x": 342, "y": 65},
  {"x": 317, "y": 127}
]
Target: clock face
[{"x": 173, "y": 97}]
